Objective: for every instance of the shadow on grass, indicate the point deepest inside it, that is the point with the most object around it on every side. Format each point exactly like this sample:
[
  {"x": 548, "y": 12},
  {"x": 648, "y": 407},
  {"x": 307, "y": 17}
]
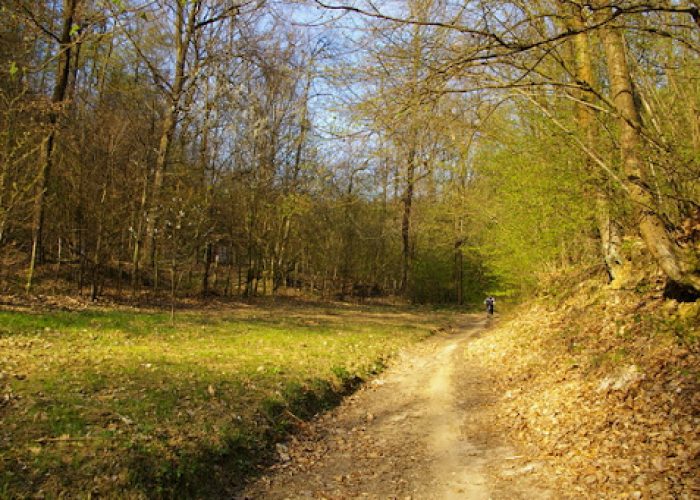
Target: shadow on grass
[
  {"x": 184, "y": 411},
  {"x": 221, "y": 471}
]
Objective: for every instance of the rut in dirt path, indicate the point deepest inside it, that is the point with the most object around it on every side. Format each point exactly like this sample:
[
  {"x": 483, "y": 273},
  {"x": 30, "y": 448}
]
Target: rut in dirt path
[
  {"x": 422, "y": 430},
  {"x": 456, "y": 473}
]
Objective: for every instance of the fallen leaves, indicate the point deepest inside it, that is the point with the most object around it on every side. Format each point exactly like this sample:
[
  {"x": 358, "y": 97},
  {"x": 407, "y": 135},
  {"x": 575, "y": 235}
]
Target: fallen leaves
[{"x": 607, "y": 384}]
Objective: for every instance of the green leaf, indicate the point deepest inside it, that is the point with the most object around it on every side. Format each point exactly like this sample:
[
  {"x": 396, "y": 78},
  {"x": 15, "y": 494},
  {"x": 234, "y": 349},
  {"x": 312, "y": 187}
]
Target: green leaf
[
  {"x": 13, "y": 68},
  {"x": 74, "y": 29}
]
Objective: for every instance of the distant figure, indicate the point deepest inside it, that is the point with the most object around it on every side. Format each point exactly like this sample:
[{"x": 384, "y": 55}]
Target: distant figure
[{"x": 490, "y": 304}]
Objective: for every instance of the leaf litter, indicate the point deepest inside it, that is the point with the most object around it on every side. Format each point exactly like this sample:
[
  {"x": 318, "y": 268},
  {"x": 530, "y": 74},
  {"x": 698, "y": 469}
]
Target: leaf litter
[{"x": 602, "y": 388}]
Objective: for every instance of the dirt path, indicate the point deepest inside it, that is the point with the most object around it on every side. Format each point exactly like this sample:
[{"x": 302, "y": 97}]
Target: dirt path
[{"x": 421, "y": 431}]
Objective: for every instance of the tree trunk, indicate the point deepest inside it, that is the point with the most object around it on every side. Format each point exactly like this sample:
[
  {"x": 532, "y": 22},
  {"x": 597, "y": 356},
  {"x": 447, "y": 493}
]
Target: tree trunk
[
  {"x": 229, "y": 272},
  {"x": 676, "y": 263},
  {"x": 97, "y": 257},
  {"x": 459, "y": 273},
  {"x": 207, "y": 268},
  {"x": 608, "y": 229},
  {"x": 419, "y": 11},
  {"x": 406, "y": 220},
  {"x": 203, "y": 163},
  {"x": 47, "y": 146},
  {"x": 138, "y": 236},
  {"x": 280, "y": 267},
  {"x": 279, "y": 274},
  {"x": 240, "y": 275},
  {"x": 184, "y": 32},
  {"x": 153, "y": 213}
]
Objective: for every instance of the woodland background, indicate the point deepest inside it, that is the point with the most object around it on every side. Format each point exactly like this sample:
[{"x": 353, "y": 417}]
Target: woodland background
[{"x": 433, "y": 149}]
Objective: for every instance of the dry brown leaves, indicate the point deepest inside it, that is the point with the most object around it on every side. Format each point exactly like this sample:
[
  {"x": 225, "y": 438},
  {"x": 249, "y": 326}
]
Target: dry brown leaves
[{"x": 604, "y": 389}]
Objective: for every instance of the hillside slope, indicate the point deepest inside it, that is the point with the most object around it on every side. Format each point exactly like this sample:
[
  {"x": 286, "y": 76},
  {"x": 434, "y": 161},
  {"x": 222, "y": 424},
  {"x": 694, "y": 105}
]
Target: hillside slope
[{"x": 601, "y": 388}]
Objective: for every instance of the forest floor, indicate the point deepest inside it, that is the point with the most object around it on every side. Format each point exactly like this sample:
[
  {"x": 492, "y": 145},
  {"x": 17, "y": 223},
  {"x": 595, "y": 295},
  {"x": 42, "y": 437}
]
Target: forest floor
[
  {"x": 424, "y": 429},
  {"x": 584, "y": 392},
  {"x": 590, "y": 392}
]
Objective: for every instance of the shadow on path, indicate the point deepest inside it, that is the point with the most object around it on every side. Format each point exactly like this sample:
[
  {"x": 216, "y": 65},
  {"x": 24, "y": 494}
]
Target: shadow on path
[{"x": 421, "y": 431}]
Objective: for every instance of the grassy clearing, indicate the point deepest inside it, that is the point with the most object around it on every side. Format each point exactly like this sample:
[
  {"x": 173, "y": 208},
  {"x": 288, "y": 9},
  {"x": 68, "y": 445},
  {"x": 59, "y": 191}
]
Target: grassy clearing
[{"x": 127, "y": 403}]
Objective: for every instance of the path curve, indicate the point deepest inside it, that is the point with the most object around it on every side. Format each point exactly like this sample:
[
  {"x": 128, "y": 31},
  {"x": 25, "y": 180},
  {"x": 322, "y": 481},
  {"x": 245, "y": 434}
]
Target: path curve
[{"x": 421, "y": 431}]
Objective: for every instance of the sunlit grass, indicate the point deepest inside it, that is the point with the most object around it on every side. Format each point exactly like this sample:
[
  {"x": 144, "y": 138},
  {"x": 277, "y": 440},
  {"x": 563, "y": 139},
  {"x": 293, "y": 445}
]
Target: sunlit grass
[{"x": 132, "y": 403}]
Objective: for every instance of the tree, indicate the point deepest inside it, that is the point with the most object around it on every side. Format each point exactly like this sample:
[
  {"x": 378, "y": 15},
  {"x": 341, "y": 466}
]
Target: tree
[
  {"x": 65, "y": 44},
  {"x": 679, "y": 264},
  {"x": 608, "y": 228}
]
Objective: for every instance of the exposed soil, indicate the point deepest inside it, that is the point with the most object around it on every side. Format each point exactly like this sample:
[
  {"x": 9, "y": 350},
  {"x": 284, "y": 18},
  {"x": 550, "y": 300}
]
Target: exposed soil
[{"x": 425, "y": 429}]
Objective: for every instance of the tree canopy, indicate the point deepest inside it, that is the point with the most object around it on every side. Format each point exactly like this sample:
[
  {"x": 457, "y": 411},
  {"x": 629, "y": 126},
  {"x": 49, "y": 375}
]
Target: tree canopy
[{"x": 435, "y": 149}]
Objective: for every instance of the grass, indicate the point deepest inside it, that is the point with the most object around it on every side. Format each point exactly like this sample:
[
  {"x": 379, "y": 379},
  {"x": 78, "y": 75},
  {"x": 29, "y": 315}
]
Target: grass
[{"x": 126, "y": 403}]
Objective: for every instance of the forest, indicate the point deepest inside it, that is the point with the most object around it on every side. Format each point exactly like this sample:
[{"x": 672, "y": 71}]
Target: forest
[
  {"x": 417, "y": 154},
  {"x": 429, "y": 149}
]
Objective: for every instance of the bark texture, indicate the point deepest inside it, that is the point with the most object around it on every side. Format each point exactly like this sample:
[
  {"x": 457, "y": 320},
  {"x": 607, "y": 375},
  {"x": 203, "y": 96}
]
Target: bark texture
[
  {"x": 608, "y": 228},
  {"x": 47, "y": 147},
  {"x": 677, "y": 263}
]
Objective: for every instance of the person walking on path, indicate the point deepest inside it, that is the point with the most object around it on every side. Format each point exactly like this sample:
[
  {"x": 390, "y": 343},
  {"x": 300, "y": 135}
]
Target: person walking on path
[{"x": 490, "y": 305}]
